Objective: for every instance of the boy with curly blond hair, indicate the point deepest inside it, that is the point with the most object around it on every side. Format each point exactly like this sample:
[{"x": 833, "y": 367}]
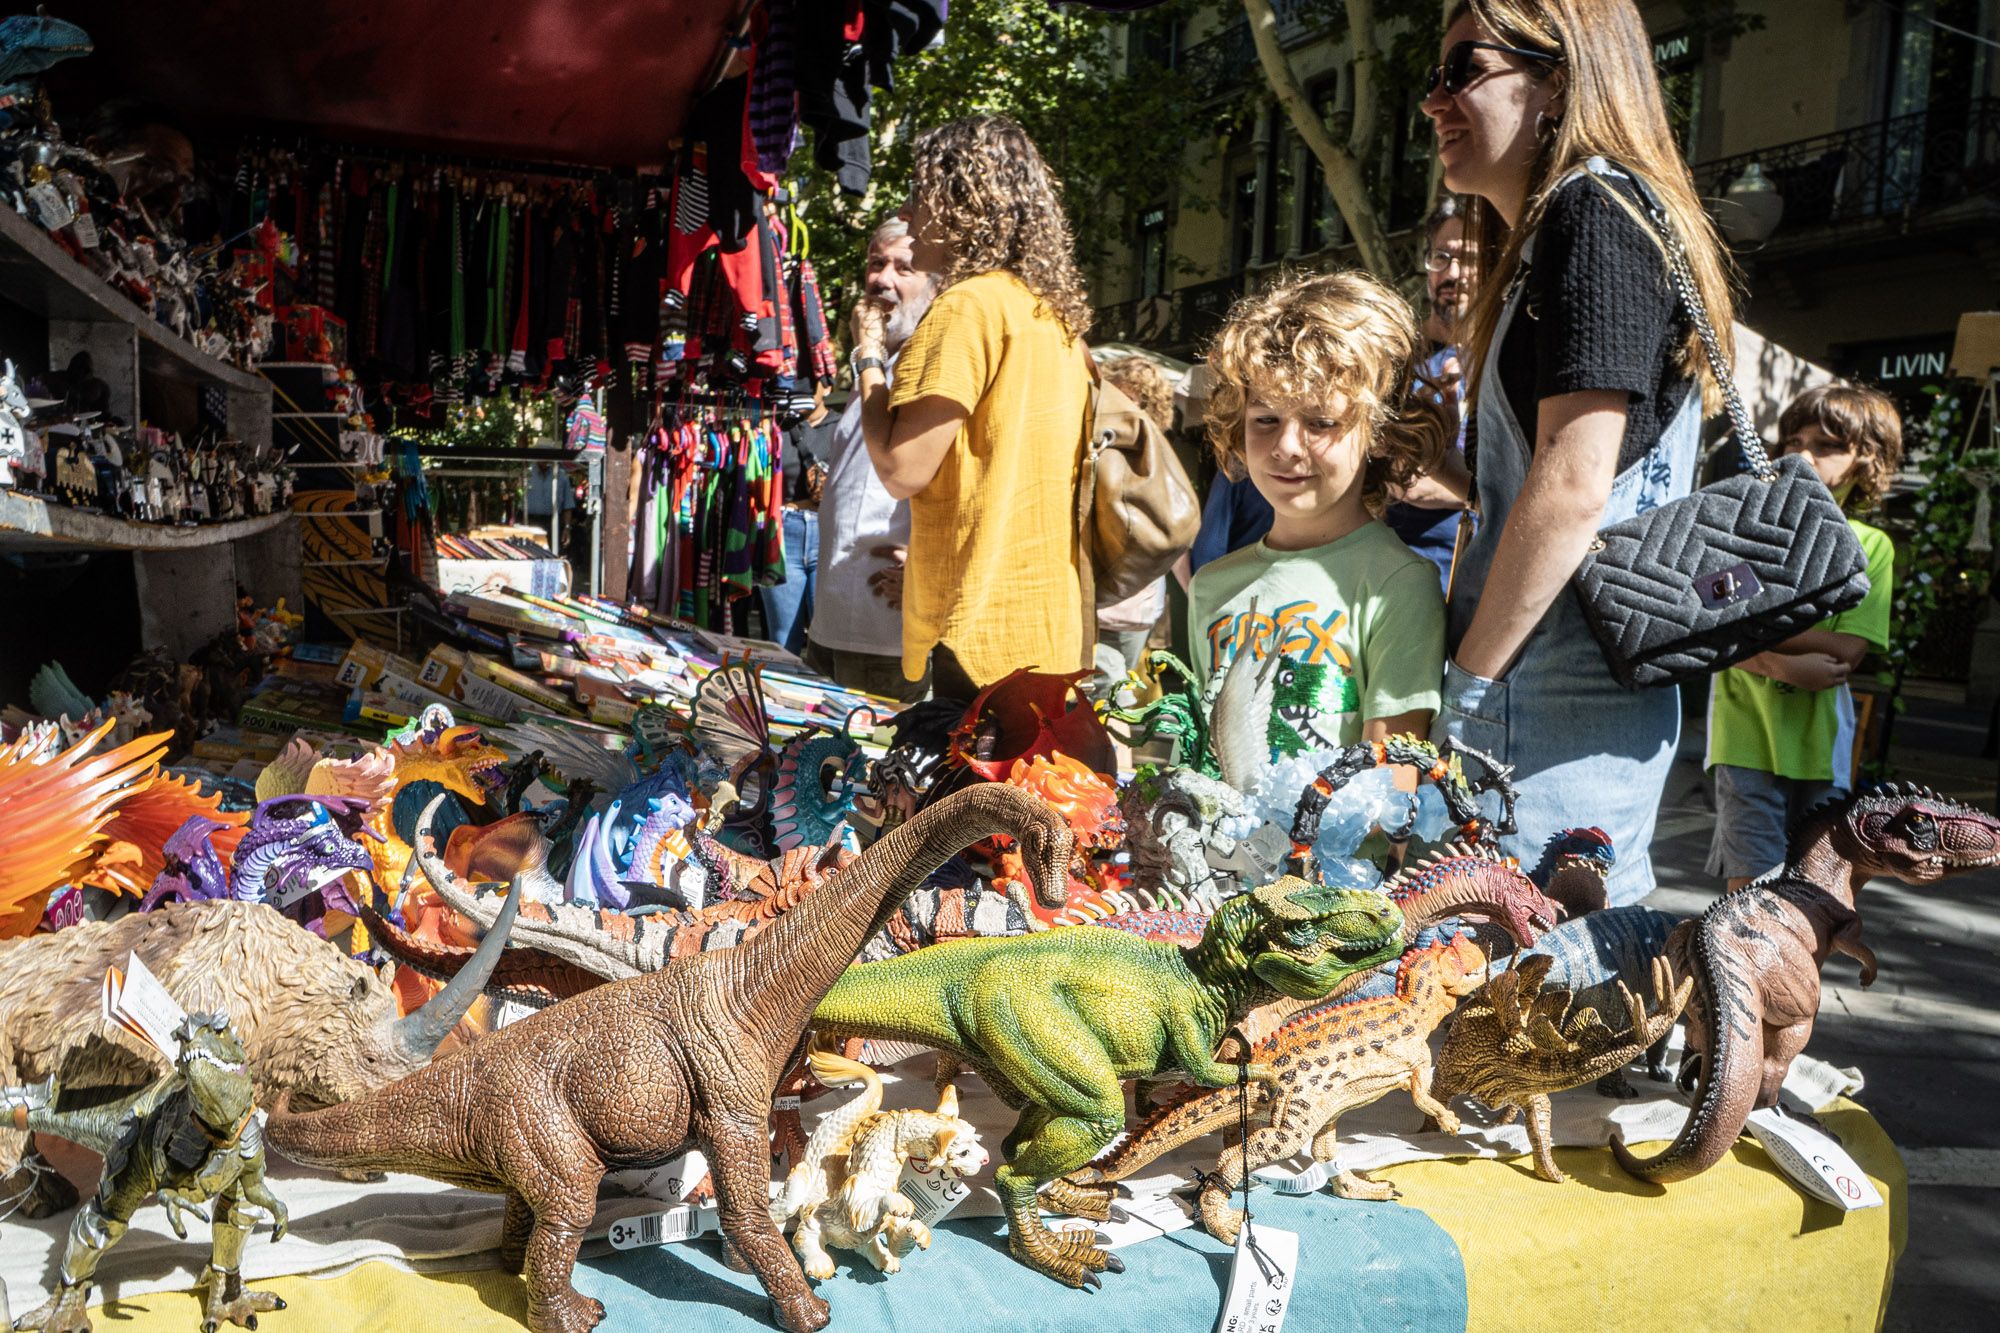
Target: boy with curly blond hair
[
  {"x": 1315, "y": 397},
  {"x": 1781, "y": 725}
]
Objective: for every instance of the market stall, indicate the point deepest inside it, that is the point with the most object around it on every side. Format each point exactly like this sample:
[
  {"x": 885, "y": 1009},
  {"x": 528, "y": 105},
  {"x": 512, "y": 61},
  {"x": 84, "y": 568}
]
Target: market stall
[{"x": 428, "y": 899}]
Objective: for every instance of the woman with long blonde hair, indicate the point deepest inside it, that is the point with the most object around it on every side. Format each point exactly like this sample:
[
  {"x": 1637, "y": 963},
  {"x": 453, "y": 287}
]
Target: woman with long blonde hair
[
  {"x": 983, "y": 431},
  {"x": 1587, "y": 390}
]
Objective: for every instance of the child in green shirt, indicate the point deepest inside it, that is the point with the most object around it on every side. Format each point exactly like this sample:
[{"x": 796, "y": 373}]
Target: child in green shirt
[
  {"x": 1781, "y": 724},
  {"x": 1313, "y": 399}
]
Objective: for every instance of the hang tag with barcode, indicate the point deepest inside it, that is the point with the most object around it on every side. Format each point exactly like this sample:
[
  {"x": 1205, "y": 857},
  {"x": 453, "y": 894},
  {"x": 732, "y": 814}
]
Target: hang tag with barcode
[
  {"x": 675, "y": 1224},
  {"x": 1260, "y": 1280},
  {"x": 1308, "y": 1181},
  {"x": 1814, "y": 1160},
  {"x": 84, "y": 228},
  {"x": 934, "y": 1190}
]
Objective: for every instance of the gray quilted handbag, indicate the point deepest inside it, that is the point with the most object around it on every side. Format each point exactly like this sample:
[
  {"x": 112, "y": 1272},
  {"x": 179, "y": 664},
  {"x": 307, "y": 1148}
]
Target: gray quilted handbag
[{"x": 1705, "y": 581}]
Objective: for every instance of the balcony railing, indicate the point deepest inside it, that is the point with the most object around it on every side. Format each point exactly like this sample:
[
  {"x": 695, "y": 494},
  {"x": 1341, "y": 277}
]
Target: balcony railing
[
  {"x": 1221, "y": 64},
  {"x": 1891, "y": 169},
  {"x": 1174, "y": 321}
]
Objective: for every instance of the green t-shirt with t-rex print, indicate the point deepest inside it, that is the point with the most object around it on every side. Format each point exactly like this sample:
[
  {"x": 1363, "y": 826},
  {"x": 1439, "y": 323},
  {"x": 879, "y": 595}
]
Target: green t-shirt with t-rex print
[{"x": 1359, "y": 623}]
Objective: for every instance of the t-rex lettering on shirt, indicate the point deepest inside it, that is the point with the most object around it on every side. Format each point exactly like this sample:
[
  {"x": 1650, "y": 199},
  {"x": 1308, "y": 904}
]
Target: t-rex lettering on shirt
[{"x": 1315, "y": 679}]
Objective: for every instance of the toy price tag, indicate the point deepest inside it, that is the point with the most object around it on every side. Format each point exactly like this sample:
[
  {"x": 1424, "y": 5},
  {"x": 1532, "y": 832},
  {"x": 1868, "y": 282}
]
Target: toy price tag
[
  {"x": 675, "y": 1224},
  {"x": 84, "y": 228},
  {"x": 786, "y": 1103},
  {"x": 1307, "y": 1181},
  {"x": 933, "y": 1190},
  {"x": 51, "y": 209},
  {"x": 1260, "y": 1280},
  {"x": 1815, "y": 1161},
  {"x": 135, "y": 1000}
]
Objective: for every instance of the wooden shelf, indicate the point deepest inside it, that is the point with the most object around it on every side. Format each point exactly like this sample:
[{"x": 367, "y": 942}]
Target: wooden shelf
[
  {"x": 30, "y": 523},
  {"x": 40, "y": 275}
]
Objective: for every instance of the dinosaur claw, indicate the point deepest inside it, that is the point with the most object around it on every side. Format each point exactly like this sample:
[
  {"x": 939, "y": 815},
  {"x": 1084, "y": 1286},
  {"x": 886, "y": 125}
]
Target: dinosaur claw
[
  {"x": 1113, "y": 1264},
  {"x": 1090, "y": 1282}
]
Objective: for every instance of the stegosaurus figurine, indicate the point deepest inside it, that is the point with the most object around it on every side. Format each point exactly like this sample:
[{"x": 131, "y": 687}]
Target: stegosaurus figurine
[
  {"x": 191, "y": 1137},
  {"x": 1516, "y": 1042}
]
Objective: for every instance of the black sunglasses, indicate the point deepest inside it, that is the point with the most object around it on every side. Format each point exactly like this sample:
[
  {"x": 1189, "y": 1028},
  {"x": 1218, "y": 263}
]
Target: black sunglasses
[{"x": 1456, "y": 71}]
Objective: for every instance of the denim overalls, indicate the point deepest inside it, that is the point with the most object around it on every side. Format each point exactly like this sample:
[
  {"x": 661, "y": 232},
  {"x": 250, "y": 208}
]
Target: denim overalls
[{"x": 1585, "y": 750}]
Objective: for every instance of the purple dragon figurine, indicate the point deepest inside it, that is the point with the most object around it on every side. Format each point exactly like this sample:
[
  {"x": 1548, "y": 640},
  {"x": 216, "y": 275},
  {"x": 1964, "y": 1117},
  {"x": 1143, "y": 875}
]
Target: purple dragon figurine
[
  {"x": 296, "y": 855},
  {"x": 193, "y": 871}
]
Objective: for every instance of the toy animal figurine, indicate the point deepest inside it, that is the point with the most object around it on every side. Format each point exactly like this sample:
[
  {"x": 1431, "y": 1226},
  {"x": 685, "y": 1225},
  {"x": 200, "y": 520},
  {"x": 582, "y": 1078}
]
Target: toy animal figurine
[
  {"x": 59, "y": 801},
  {"x": 14, "y": 414},
  {"x": 1054, "y": 1021},
  {"x": 29, "y": 45},
  {"x": 1328, "y": 1060},
  {"x": 312, "y": 1019},
  {"x": 1755, "y": 955},
  {"x": 843, "y": 1190},
  {"x": 633, "y": 1072},
  {"x": 192, "y": 1138},
  {"x": 1178, "y": 823},
  {"x": 1516, "y": 1042},
  {"x": 1574, "y": 865},
  {"x": 1596, "y": 958}
]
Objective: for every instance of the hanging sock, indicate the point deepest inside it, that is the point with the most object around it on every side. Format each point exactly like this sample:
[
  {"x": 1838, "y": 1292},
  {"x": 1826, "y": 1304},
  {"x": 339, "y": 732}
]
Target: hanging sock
[{"x": 456, "y": 333}]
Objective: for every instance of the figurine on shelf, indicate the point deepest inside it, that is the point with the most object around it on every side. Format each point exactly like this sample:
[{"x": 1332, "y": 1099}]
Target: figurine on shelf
[
  {"x": 30, "y": 44},
  {"x": 191, "y": 1137},
  {"x": 14, "y": 414},
  {"x": 72, "y": 474}
]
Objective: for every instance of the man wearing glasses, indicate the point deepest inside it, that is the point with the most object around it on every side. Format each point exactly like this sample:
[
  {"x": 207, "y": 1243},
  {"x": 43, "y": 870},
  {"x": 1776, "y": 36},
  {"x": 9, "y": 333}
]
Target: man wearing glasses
[{"x": 1426, "y": 517}]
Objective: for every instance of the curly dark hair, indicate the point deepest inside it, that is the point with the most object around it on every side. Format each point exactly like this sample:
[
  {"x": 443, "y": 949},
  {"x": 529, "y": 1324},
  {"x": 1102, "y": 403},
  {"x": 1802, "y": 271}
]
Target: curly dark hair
[{"x": 983, "y": 186}]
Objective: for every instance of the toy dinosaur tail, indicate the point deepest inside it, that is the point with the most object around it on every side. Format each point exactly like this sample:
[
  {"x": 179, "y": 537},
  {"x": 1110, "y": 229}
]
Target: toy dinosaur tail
[
  {"x": 789, "y": 966},
  {"x": 1731, "y": 1072},
  {"x": 1197, "y": 1112},
  {"x": 366, "y": 1135}
]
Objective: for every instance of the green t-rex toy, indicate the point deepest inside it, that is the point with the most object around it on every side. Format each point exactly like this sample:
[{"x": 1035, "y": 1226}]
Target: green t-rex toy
[
  {"x": 191, "y": 1136},
  {"x": 1053, "y": 1022}
]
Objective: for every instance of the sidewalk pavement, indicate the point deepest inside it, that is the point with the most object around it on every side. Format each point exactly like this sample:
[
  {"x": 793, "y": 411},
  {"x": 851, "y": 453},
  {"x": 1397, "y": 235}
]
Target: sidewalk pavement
[{"x": 1926, "y": 1036}]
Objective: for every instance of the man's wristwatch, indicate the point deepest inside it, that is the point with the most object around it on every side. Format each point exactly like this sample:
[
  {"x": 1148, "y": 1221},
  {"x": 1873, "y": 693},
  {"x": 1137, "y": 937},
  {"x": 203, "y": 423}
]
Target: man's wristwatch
[{"x": 862, "y": 363}]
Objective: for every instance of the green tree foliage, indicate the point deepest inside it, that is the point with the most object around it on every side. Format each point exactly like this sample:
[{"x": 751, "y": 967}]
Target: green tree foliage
[{"x": 1114, "y": 125}]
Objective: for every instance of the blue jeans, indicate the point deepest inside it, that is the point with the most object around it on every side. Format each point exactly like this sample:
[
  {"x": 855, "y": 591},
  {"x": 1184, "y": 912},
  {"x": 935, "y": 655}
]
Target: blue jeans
[{"x": 788, "y": 606}]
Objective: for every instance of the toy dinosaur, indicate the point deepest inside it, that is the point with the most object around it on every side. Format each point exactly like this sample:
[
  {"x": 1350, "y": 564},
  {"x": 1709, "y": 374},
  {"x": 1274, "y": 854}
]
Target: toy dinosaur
[
  {"x": 312, "y": 1019},
  {"x": 58, "y": 803},
  {"x": 300, "y": 770},
  {"x": 1053, "y": 1022},
  {"x": 564, "y": 951},
  {"x": 31, "y": 44},
  {"x": 1516, "y": 1042},
  {"x": 843, "y": 1189},
  {"x": 1329, "y": 1060},
  {"x": 192, "y": 1138},
  {"x": 1755, "y": 955},
  {"x": 632, "y": 1072},
  {"x": 1169, "y": 711},
  {"x": 452, "y": 756},
  {"x": 1573, "y": 868},
  {"x": 813, "y": 788},
  {"x": 1599, "y": 956}
]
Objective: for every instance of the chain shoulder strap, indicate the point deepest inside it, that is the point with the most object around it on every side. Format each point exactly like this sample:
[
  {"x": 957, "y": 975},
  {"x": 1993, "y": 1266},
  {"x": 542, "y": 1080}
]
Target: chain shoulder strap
[{"x": 1755, "y": 458}]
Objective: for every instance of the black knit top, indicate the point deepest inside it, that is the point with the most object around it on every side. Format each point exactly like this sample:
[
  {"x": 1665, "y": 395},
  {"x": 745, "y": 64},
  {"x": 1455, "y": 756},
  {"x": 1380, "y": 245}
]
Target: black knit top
[{"x": 1598, "y": 312}]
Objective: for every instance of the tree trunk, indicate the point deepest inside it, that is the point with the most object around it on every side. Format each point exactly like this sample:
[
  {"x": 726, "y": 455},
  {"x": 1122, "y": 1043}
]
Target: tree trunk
[{"x": 1341, "y": 163}]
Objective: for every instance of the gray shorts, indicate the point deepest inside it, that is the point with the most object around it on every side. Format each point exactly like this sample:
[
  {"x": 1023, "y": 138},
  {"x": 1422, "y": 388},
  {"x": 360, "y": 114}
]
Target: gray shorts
[{"x": 1753, "y": 812}]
